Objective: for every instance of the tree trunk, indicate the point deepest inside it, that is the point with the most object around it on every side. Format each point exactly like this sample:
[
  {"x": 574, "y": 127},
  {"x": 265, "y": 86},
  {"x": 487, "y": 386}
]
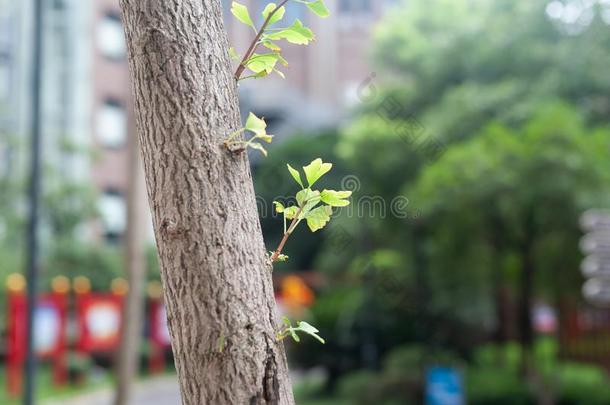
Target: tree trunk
[
  {"x": 214, "y": 267},
  {"x": 526, "y": 294},
  {"x": 133, "y": 309}
]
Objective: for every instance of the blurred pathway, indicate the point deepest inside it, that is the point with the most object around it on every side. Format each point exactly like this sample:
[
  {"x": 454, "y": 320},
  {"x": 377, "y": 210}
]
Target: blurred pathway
[{"x": 154, "y": 391}]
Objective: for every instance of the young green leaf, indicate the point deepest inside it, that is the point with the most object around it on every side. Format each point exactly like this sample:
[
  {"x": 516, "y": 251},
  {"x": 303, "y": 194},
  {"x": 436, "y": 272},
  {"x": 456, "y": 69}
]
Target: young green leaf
[
  {"x": 233, "y": 54},
  {"x": 307, "y": 199},
  {"x": 319, "y": 8},
  {"x": 318, "y": 217},
  {"x": 315, "y": 170},
  {"x": 260, "y": 74},
  {"x": 310, "y": 330},
  {"x": 335, "y": 198},
  {"x": 295, "y": 175},
  {"x": 307, "y": 195},
  {"x": 281, "y": 257},
  {"x": 291, "y": 212},
  {"x": 241, "y": 13},
  {"x": 281, "y": 59},
  {"x": 262, "y": 62},
  {"x": 271, "y": 45},
  {"x": 255, "y": 124},
  {"x": 295, "y": 34},
  {"x": 294, "y": 335},
  {"x": 279, "y": 207},
  {"x": 265, "y": 137},
  {"x": 259, "y": 147},
  {"x": 277, "y": 16}
]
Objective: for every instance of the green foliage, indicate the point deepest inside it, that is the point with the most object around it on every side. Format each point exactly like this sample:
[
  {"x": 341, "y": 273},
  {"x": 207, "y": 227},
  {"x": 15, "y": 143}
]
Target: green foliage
[
  {"x": 258, "y": 128},
  {"x": 496, "y": 187},
  {"x": 319, "y": 8},
  {"x": 271, "y": 184},
  {"x": 302, "y": 326},
  {"x": 66, "y": 206},
  {"x": 263, "y": 64},
  {"x": 580, "y": 384},
  {"x": 519, "y": 114},
  {"x": 71, "y": 258},
  {"x": 296, "y": 34},
  {"x": 454, "y": 82},
  {"x": 277, "y": 15},
  {"x": 400, "y": 380},
  {"x": 307, "y": 201},
  {"x": 241, "y": 13},
  {"x": 496, "y": 386}
]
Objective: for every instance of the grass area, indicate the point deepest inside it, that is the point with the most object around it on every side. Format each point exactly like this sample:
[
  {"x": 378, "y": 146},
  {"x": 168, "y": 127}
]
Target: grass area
[{"x": 46, "y": 390}]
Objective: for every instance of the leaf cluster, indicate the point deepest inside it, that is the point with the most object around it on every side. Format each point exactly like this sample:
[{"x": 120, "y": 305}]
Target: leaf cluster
[
  {"x": 264, "y": 63},
  {"x": 313, "y": 206},
  {"x": 258, "y": 127},
  {"x": 302, "y": 326}
]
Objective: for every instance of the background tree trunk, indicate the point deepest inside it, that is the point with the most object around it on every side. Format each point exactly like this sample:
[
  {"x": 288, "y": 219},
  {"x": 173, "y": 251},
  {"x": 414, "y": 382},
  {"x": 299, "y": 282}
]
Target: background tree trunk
[
  {"x": 214, "y": 267},
  {"x": 135, "y": 268}
]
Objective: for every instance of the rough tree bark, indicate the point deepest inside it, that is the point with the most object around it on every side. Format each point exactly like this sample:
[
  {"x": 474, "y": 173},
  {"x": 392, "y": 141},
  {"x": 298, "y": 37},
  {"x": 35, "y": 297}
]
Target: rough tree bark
[{"x": 215, "y": 272}]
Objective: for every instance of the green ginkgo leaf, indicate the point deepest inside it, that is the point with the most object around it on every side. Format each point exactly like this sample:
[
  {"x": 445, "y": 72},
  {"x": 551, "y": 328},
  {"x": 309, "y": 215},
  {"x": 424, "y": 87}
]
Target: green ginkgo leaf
[
  {"x": 259, "y": 147},
  {"x": 241, "y": 13},
  {"x": 265, "y": 137},
  {"x": 315, "y": 170},
  {"x": 318, "y": 217},
  {"x": 310, "y": 330},
  {"x": 279, "y": 207},
  {"x": 335, "y": 198},
  {"x": 291, "y": 212},
  {"x": 295, "y": 34},
  {"x": 255, "y": 124},
  {"x": 295, "y": 175},
  {"x": 233, "y": 54},
  {"x": 262, "y": 62},
  {"x": 277, "y": 16},
  {"x": 307, "y": 195},
  {"x": 319, "y": 8},
  {"x": 271, "y": 45}
]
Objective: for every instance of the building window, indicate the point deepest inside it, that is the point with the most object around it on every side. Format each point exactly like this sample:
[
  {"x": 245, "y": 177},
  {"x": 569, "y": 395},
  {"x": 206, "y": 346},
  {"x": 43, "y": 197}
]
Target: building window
[
  {"x": 112, "y": 124},
  {"x": 113, "y": 212},
  {"x": 110, "y": 37}
]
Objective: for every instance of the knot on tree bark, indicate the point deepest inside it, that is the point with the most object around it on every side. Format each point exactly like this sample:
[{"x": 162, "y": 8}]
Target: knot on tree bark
[{"x": 170, "y": 228}]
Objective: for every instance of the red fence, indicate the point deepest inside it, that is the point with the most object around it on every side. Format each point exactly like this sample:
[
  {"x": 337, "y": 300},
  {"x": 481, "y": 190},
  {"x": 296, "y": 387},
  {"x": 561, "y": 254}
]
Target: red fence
[
  {"x": 98, "y": 319},
  {"x": 585, "y": 334}
]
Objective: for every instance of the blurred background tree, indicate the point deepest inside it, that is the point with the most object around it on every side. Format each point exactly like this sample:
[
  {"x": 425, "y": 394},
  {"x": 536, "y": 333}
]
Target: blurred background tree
[{"x": 513, "y": 96}]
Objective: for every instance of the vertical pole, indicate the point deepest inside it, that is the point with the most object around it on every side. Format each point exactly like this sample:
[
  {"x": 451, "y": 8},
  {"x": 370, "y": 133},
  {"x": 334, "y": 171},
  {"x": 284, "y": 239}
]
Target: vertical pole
[
  {"x": 133, "y": 308},
  {"x": 33, "y": 194}
]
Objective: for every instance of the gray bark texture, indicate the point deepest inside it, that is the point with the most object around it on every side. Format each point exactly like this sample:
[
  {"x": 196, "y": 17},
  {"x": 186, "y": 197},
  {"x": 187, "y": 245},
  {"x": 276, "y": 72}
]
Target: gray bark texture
[{"x": 214, "y": 267}]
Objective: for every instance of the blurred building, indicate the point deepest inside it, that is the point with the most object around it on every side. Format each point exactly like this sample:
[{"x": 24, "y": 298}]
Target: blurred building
[
  {"x": 13, "y": 89},
  {"x": 112, "y": 117},
  {"x": 66, "y": 81},
  {"x": 87, "y": 113},
  {"x": 322, "y": 78}
]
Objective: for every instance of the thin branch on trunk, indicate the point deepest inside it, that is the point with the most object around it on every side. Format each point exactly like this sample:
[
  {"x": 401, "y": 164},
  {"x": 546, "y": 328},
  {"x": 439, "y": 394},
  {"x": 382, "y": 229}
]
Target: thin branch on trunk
[{"x": 254, "y": 45}]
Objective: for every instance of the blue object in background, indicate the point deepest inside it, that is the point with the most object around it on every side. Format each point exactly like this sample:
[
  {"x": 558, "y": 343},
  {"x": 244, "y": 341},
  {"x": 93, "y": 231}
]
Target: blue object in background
[{"x": 444, "y": 386}]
